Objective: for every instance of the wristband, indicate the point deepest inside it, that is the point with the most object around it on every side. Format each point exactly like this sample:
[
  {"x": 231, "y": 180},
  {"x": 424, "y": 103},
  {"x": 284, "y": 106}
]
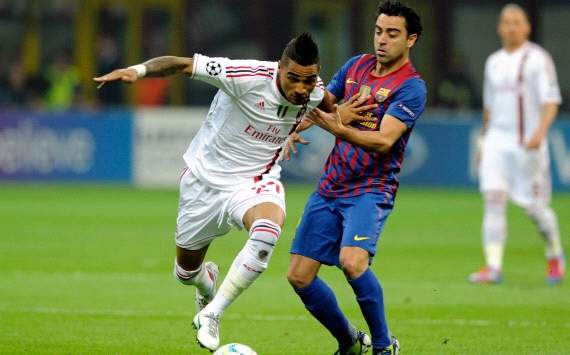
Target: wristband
[{"x": 140, "y": 69}]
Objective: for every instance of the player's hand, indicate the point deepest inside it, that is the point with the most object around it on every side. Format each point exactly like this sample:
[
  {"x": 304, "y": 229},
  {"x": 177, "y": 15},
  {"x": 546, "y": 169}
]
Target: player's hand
[
  {"x": 478, "y": 150},
  {"x": 290, "y": 146},
  {"x": 127, "y": 75},
  {"x": 331, "y": 122},
  {"x": 534, "y": 142},
  {"x": 305, "y": 124},
  {"x": 353, "y": 109}
]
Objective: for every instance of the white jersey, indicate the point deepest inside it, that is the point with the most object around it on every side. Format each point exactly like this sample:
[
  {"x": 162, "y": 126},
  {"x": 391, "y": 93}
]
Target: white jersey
[
  {"x": 516, "y": 86},
  {"x": 242, "y": 137}
]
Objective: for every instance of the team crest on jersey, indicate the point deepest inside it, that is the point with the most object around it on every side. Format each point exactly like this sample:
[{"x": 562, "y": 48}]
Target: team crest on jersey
[
  {"x": 213, "y": 68},
  {"x": 382, "y": 94}
]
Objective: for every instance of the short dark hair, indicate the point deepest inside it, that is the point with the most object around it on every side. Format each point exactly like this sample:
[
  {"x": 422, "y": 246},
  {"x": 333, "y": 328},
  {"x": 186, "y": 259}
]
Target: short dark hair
[
  {"x": 302, "y": 50},
  {"x": 396, "y": 8}
]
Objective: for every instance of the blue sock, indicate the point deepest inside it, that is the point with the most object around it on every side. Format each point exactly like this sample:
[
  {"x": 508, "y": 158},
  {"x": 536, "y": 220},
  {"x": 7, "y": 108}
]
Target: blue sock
[
  {"x": 371, "y": 300},
  {"x": 320, "y": 300}
]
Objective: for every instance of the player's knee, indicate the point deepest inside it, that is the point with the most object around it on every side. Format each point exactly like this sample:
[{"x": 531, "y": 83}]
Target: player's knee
[
  {"x": 352, "y": 267},
  {"x": 353, "y": 261},
  {"x": 299, "y": 279},
  {"x": 532, "y": 211},
  {"x": 495, "y": 202}
]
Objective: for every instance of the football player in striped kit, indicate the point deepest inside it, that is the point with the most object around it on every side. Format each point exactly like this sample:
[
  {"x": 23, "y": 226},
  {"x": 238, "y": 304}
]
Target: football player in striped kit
[
  {"x": 521, "y": 98},
  {"x": 357, "y": 189},
  {"x": 232, "y": 174}
]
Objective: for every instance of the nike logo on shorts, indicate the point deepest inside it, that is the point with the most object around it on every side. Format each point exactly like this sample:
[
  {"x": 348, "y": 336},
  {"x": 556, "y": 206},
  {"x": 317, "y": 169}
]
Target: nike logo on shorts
[{"x": 357, "y": 238}]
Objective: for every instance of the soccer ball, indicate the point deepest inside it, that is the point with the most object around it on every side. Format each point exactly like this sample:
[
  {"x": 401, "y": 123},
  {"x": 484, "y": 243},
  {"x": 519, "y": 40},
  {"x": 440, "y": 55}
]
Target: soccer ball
[{"x": 234, "y": 349}]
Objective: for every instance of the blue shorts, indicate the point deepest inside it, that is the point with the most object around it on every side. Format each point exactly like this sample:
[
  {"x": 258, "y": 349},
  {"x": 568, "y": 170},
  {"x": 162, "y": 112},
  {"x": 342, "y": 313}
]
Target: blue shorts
[{"x": 330, "y": 223}]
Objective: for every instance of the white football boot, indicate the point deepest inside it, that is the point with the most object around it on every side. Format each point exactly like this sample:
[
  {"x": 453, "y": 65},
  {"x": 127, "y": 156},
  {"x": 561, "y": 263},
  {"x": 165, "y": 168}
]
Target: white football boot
[{"x": 208, "y": 330}]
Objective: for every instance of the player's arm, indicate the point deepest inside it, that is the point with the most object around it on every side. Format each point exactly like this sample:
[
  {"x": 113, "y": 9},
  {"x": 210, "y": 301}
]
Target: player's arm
[
  {"x": 485, "y": 119},
  {"x": 547, "y": 117},
  {"x": 155, "y": 67},
  {"x": 349, "y": 112},
  {"x": 391, "y": 129},
  {"x": 488, "y": 97},
  {"x": 549, "y": 95}
]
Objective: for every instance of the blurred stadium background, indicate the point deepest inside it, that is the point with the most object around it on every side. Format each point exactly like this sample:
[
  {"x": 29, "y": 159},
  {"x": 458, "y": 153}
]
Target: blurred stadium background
[{"x": 88, "y": 180}]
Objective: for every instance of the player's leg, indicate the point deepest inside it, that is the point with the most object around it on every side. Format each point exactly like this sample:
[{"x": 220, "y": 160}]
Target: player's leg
[
  {"x": 319, "y": 299},
  {"x": 264, "y": 223},
  {"x": 535, "y": 197},
  {"x": 317, "y": 243},
  {"x": 533, "y": 192},
  {"x": 364, "y": 218},
  {"x": 190, "y": 269},
  {"x": 198, "y": 223},
  {"x": 261, "y": 210},
  {"x": 546, "y": 221},
  {"x": 494, "y": 232},
  {"x": 495, "y": 169}
]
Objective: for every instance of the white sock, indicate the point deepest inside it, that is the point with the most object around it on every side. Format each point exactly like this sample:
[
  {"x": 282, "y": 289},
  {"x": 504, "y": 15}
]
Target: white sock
[
  {"x": 494, "y": 229},
  {"x": 249, "y": 264},
  {"x": 198, "y": 278},
  {"x": 546, "y": 221}
]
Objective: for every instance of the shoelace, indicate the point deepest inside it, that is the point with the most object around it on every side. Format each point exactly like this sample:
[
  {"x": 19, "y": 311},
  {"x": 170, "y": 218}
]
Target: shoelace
[{"x": 213, "y": 324}]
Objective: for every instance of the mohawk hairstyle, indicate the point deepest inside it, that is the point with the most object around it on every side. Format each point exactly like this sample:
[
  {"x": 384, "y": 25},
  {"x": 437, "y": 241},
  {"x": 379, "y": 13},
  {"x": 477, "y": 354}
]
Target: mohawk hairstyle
[
  {"x": 396, "y": 8},
  {"x": 302, "y": 50}
]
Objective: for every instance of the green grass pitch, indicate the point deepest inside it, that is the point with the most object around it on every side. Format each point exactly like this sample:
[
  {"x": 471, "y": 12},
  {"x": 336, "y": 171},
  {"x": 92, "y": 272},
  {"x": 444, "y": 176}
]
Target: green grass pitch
[{"x": 87, "y": 269}]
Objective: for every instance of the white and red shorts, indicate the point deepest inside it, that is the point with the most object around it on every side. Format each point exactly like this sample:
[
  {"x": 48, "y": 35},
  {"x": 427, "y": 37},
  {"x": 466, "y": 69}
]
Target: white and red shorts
[
  {"x": 506, "y": 165},
  {"x": 205, "y": 213}
]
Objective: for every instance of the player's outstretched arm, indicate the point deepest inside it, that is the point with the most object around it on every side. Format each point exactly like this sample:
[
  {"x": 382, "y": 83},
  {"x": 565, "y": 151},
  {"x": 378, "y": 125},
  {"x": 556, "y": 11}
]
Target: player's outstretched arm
[{"x": 159, "y": 66}]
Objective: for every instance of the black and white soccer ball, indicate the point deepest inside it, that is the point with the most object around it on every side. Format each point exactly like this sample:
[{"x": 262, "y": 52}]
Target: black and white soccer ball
[
  {"x": 213, "y": 68},
  {"x": 234, "y": 349}
]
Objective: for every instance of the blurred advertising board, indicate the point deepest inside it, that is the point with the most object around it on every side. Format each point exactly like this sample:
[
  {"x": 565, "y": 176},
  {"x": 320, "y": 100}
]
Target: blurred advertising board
[
  {"x": 145, "y": 148},
  {"x": 77, "y": 146},
  {"x": 161, "y": 137}
]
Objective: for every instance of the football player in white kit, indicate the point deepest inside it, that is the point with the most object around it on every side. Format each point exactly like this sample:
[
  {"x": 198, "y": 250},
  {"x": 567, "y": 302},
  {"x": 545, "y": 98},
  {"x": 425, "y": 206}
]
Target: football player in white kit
[
  {"x": 232, "y": 174},
  {"x": 521, "y": 99}
]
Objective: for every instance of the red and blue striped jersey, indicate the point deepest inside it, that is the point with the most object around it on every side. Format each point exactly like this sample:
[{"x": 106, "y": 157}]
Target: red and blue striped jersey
[{"x": 351, "y": 170}]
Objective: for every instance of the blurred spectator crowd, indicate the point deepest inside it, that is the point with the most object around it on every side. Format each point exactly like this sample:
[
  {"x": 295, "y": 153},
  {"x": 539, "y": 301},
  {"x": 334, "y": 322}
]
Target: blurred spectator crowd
[{"x": 42, "y": 67}]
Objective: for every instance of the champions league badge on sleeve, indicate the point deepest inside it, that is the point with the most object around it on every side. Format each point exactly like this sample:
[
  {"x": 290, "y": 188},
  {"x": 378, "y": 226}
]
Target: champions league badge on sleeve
[
  {"x": 382, "y": 94},
  {"x": 213, "y": 68}
]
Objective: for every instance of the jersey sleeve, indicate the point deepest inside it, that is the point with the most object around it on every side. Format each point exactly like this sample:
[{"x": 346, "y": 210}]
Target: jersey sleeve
[
  {"x": 548, "y": 88},
  {"x": 234, "y": 77},
  {"x": 337, "y": 83},
  {"x": 409, "y": 102},
  {"x": 488, "y": 93}
]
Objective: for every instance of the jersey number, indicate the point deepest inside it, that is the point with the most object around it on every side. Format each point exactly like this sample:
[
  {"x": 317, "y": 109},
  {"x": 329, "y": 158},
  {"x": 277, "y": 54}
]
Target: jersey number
[{"x": 266, "y": 187}]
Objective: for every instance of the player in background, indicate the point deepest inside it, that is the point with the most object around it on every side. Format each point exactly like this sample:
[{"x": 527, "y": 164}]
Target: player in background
[
  {"x": 232, "y": 174},
  {"x": 521, "y": 99},
  {"x": 343, "y": 219}
]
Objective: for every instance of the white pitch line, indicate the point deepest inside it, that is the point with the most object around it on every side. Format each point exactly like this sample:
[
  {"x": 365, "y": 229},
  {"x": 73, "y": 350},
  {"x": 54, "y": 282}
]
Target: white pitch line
[{"x": 275, "y": 317}]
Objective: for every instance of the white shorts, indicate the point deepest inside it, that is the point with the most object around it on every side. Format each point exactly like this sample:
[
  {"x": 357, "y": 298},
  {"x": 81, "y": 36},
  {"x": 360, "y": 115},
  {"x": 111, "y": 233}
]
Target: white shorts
[
  {"x": 205, "y": 213},
  {"x": 508, "y": 166}
]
